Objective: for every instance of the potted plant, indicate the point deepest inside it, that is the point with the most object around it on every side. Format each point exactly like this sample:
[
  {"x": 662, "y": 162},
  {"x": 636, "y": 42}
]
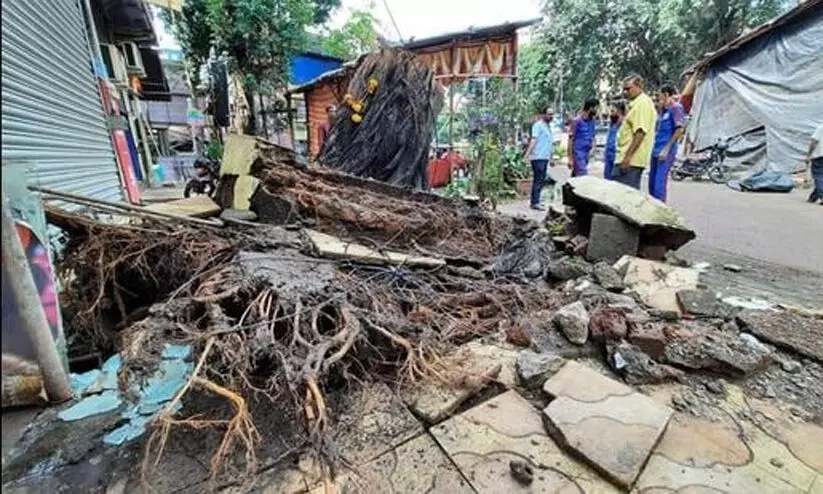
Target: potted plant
[{"x": 516, "y": 171}]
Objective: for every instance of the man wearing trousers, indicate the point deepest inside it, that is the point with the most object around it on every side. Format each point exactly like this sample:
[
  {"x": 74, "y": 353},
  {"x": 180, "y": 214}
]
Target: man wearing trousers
[
  {"x": 635, "y": 139},
  {"x": 667, "y": 134},
  {"x": 539, "y": 153}
]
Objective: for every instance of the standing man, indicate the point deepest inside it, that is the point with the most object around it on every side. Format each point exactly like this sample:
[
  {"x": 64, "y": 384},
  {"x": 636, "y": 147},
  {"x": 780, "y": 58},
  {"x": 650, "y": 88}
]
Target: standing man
[
  {"x": 325, "y": 129},
  {"x": 581, "y": 138},
  {"x": 616, "y": 118},
  {"x": 814, "y": 164},
  {"x": 667, "y": 135},
  {"x": 539, "y": 153},
  {"x": 635, "y": 139}
]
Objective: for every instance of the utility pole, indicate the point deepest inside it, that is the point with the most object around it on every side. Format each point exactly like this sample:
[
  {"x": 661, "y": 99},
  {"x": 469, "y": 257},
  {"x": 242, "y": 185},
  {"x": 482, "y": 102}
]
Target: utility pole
[{"x": 32, "y": 316}]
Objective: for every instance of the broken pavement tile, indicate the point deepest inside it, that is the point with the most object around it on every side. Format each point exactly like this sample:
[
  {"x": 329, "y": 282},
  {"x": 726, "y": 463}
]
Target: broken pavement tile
[
  {"x": 484, "y": 440},
  {"x": 703, "y": 303},
  {"x": 415, "y": 466},
  {"x": 654, "y": 337},
  {"x": 611, "y": 426},
  {"x": 731, "y": 455},
  {"x": 480, "y": 357},
  {"x": 636, "y": 367},
  {"x": 657, "y": 283},
  {"x": 334, "y": 248},
  {"x": 724, "y": 353},
  {"x": 476, "y": 367},
  {"x": 606, "y": 276},
  {"x": 91, "y": 405},
  {"x": 373, "y": 421},
  {"x": 534, "y": 368},
  {"x": 803, "y": 335}
]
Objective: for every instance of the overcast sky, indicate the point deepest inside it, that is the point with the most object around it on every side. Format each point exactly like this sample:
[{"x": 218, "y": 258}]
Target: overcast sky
[{"x": 422, "y": 18}]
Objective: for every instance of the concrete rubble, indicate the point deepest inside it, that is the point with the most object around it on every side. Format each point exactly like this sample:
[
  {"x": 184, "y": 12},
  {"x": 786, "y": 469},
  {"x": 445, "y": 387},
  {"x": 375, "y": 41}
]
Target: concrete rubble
[{"x": 512, "y": 365}]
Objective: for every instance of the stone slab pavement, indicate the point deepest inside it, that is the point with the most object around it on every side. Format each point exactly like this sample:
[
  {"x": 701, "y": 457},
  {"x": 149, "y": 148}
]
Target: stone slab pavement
[{"x": 614, "y": 439}]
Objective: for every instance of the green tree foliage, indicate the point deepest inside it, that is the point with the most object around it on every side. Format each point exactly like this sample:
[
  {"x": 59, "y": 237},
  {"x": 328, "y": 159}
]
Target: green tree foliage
[
  {"x": 258, "y": 36},
  {"x": 589, "y": 46},
  {"x": 357, "y": 36}
]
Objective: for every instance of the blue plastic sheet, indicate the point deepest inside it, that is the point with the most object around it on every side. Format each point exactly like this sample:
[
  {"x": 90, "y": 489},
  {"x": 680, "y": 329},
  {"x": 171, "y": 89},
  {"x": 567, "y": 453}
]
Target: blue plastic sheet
[{"x": 764, "y": 181}]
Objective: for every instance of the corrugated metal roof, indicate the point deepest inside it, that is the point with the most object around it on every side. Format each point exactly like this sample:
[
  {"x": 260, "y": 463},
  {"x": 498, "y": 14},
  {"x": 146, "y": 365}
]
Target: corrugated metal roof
[
  {"x": 737, "y": 43},
  {"x": 470, "y": 34}
]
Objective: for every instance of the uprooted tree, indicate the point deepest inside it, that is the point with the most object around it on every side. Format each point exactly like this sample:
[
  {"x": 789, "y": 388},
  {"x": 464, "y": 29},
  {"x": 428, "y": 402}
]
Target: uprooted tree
[
  {"x": 386, "y": 125},
  {"x": 290, "y": 336}
]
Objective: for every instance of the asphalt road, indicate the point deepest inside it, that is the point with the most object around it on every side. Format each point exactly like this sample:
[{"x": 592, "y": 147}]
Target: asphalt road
[{"x": 778, "y": 228}]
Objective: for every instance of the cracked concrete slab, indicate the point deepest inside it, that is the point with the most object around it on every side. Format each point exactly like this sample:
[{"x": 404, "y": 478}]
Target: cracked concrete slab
[
  {"x": 483, "y": 440},
  {"x": 611, "y": 426}
]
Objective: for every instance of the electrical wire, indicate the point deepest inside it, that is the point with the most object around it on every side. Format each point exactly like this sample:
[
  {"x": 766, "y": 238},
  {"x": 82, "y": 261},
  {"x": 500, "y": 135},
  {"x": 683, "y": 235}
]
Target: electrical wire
[{"x": 394, "y": 23}]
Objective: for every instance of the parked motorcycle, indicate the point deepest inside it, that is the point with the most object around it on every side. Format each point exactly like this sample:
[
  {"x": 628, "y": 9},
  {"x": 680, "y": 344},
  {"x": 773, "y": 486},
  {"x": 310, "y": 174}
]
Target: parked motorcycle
[
  {"x": 206, "y": 175},
  {"x": 711, "y": 164}
]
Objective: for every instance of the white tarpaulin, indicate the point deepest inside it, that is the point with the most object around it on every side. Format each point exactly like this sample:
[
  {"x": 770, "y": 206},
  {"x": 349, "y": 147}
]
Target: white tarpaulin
[{"x": 771, "y": 89}]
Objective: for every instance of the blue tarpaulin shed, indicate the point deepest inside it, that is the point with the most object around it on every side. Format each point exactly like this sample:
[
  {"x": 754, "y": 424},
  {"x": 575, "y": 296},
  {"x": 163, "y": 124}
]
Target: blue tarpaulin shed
[{"x": 306, "y": 67}]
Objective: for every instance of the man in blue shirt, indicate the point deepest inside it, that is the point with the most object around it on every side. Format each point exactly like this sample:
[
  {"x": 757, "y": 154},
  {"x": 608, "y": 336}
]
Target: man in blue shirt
[
  {"x": 669, "y": 130},
  {"x": 581, "y": 138},
  {"x": 610, "y": 155},
  {"x": 540, "y": 152}
]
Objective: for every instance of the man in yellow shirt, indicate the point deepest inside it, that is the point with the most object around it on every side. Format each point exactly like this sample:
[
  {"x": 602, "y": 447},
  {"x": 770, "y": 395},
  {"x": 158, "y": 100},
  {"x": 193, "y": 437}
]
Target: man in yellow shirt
[{"x": 636, "y": 137}]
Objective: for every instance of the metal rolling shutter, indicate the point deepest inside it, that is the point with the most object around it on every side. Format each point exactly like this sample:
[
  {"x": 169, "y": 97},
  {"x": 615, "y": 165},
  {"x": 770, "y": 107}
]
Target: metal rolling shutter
[{"x": 52, "y": 117}]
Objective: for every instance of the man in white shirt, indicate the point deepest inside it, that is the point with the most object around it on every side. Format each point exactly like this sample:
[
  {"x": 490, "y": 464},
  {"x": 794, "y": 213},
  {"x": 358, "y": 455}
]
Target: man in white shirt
[{"x": 814, "y": 164}]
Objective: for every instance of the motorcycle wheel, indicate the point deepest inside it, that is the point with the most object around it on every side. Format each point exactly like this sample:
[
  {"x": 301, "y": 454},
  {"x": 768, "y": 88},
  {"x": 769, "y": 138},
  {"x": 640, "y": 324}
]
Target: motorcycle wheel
[
  {"x": 678, "y": 175},
  {"x": 718, "y": 175}
]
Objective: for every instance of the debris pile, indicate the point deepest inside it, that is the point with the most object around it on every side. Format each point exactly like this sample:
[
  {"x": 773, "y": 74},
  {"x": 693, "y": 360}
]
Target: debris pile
[{"x": 357, "y": 288}]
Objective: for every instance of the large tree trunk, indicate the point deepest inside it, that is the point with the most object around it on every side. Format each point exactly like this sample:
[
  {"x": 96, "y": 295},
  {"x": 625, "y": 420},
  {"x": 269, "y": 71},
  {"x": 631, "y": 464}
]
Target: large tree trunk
[{"x": 391, "y": 141}]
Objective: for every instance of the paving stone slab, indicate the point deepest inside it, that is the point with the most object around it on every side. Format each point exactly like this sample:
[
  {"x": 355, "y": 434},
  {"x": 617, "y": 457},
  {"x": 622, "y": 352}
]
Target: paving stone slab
[
  {"x": 483, "y": 440},
  {"x": 417, "y": 466},
  {"x": 476, "y": 368},
  {"x": 657, "y": 283},
  {"x": 802, "y": 334},
  {"x": 768, "y": 452},
  {"x": 373, "y": 421},
  {"x": 611, "y": 426}
]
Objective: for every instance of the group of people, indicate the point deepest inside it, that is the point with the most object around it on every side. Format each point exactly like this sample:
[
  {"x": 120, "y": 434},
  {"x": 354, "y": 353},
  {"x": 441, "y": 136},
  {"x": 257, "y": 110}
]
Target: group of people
[{"x": 643, "y": 133}]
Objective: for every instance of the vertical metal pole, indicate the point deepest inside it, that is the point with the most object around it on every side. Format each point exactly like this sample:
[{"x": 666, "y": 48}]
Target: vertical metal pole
[
  {"x": 144, "y": 134},
  {"x": 451, "y": 114},
  {"x": 32, "y": 316}
]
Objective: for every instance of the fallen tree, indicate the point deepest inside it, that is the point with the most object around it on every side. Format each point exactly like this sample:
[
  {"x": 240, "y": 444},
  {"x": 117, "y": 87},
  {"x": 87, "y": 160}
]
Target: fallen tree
[
  {"x": 293, "y": 341},
  {"x": 384, "y": 129}
]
